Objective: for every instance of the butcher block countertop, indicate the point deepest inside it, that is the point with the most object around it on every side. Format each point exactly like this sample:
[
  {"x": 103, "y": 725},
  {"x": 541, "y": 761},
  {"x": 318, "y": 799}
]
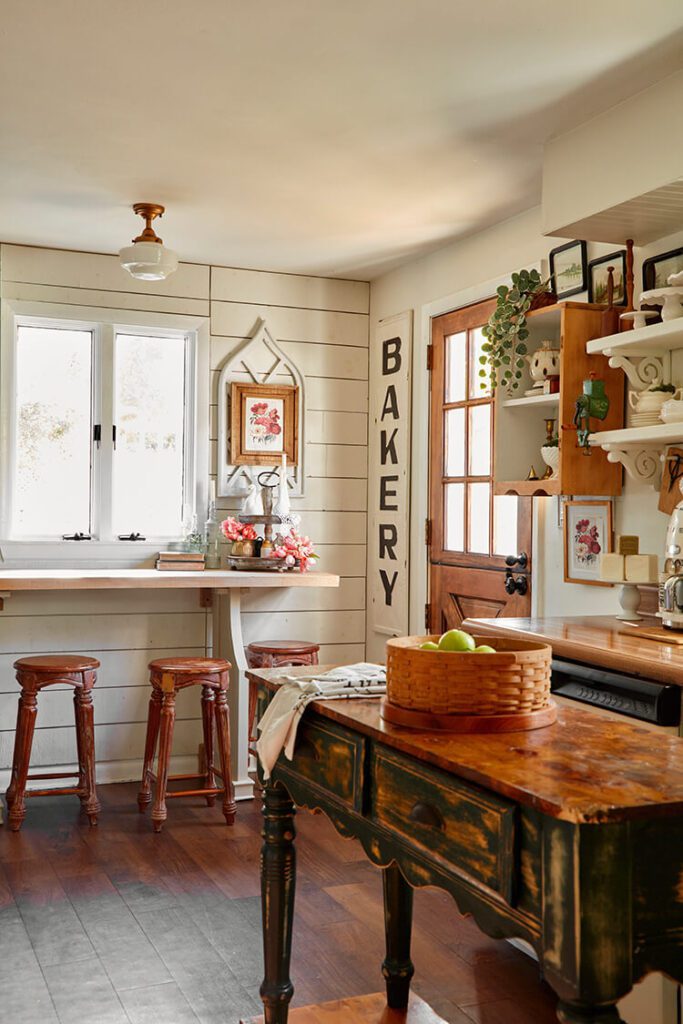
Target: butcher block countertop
[{"x": 594, "y": 640}]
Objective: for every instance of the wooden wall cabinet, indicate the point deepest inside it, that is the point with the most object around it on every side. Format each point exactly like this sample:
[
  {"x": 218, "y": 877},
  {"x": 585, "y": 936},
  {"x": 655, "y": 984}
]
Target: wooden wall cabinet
[{"x": 519, "y": 430}]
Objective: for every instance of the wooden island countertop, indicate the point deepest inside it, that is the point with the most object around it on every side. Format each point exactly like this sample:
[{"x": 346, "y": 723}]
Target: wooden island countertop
[{"x": 594, "y": 640}]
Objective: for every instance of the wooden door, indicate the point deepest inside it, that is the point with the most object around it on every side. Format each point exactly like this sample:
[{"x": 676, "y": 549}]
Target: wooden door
[{"x": 479, "y": 543}]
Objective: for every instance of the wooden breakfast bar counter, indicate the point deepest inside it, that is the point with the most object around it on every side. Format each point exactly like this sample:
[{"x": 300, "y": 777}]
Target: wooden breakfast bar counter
[
  {"x": 227, "y": 623},
  {"x": 570, "y": 837}
]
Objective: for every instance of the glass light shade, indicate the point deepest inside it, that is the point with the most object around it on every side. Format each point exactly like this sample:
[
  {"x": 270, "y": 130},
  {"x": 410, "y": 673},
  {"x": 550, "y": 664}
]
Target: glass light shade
[{"x": 148, "y": 261}]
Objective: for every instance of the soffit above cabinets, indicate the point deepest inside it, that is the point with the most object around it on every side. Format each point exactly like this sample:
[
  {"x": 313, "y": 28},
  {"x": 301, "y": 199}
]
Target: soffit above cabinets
[{"x": 619, "y": 175}]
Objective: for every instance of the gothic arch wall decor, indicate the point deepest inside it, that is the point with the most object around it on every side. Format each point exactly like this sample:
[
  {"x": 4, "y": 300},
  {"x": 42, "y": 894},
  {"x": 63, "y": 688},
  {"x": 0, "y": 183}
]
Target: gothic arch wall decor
[{"x": 258, "y": 359}]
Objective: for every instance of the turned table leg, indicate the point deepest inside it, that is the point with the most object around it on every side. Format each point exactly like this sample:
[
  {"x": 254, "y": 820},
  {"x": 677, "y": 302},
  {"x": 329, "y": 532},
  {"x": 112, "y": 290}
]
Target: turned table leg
[
  {"x": 397, "y": 967},
  {"x": 278, "y": 879},
  {"x": 573, "y": 1013}
]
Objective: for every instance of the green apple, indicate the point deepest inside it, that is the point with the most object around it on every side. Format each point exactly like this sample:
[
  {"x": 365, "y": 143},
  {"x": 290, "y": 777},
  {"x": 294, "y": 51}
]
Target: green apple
[
  {"x": 484, "y": 649},
  {"x": 429, "y": 645},
  {"x": 456, "y": 640}
]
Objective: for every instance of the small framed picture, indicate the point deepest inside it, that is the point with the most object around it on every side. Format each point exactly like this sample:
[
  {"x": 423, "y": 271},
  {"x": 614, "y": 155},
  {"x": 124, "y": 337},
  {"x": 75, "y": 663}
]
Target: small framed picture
[
  {"x": 569, "y": 269},
  {"x": 658, "y": 269},
  {"x": 597, "y": 278},
  {"x": 263, "y": 424},
  {"x": 587, "y": 535}
]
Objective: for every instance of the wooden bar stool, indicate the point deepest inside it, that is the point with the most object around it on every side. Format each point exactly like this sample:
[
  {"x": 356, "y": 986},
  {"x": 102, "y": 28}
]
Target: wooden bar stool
[
  {"x": 33, "y": 675},
  {"x": 167, "y": 676},
  {"x": 274, "y": 654}
]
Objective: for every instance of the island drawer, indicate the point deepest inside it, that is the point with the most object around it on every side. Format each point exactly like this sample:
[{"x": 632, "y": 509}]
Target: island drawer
[
  {"x": 330, "y": 757},
  {"x": 469, "y": 827}
]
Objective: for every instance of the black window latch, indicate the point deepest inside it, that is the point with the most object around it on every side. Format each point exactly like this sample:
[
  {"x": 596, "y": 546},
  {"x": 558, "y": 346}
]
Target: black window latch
[
  {"x": 76, "y": 536},
  {"x": 131, "y": 536}
]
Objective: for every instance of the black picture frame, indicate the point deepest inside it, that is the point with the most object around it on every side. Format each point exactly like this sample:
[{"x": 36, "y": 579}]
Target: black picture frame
[
  {"x": 616, "y": 260},
  {"x": 650, "y": 267},
  {"x": 582, "y": 261}
]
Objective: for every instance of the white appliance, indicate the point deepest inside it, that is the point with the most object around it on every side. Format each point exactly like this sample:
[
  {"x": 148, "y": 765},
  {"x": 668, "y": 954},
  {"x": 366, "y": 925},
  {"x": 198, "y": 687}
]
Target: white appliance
[{"x": 656, "y": 999}]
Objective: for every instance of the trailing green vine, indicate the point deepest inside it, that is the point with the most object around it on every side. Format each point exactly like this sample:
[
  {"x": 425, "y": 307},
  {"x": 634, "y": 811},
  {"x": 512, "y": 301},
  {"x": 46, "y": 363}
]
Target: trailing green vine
[{"x": 506, "y": 331}]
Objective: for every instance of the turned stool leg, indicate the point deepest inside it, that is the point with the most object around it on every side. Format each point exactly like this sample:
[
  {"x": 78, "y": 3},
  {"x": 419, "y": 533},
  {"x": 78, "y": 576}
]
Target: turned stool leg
[
  {"x": 153, "y": 719},
  {"x": 85, "y": 724},
  {"x": 223, "y": 733},
  {"x": 159, "y": 813},
  {"x": 28, "y": 709},
  {"x": 18, "y": 742},
  {"x": 208, "y": 704}
]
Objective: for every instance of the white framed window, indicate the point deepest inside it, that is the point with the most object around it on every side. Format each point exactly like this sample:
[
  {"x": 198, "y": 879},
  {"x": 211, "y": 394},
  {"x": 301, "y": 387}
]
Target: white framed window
[{"x": 104, "y": 431}]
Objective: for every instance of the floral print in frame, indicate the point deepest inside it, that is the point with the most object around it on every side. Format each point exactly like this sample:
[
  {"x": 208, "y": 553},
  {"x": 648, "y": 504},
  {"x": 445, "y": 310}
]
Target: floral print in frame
[
  {"x": 587, "y": 536},
  {"x": 263, "y": 424}
]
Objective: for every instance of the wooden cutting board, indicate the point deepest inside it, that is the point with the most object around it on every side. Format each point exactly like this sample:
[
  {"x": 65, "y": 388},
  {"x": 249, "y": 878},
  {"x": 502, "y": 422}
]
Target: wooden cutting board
[
  {"x": 649, "y": 632},
  {"x": 670, "y": 492}
]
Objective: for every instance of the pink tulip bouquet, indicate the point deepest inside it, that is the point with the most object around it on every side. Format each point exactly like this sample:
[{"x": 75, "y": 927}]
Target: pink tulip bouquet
[
  {"x": 234, "y": 530},
  {"x": 296, "y": 549}
]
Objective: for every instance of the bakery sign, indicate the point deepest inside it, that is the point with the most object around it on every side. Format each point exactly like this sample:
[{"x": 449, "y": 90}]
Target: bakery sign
[{"x": 389, "y": 482}]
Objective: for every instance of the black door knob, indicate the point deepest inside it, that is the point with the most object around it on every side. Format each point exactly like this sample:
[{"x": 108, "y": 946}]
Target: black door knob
[
  {"x": 516, "y": 585},
  {"x": 522, "y": 560}
]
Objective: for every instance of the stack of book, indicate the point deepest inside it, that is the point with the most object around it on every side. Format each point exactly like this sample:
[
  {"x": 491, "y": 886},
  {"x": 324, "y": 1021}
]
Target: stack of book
[{"x": 180, "y": 561}]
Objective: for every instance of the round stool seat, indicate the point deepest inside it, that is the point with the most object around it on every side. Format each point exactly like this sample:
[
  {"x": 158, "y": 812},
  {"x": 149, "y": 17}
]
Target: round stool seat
[
  {"x": 283, "y": 647},
  {"x": 190, "y": 666},
  {"x": 57, "y": 663}
]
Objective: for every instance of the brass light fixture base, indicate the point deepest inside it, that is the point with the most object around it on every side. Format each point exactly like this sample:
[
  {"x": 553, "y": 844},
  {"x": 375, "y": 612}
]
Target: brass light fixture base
[{"x": 149, "y": 211}]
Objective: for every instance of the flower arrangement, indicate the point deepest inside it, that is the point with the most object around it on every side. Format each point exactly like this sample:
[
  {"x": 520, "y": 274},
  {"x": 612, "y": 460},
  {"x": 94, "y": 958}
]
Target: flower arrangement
[
  {"x": 295, "y": 548},
  {"x": 234, "y": 530}
]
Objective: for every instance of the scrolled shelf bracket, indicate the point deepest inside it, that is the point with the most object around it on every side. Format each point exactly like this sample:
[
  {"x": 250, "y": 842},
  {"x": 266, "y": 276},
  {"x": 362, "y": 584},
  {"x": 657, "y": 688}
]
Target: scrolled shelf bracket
[
  {"x": 641, "y": 371},
  {"x": 643, "y": 465}
]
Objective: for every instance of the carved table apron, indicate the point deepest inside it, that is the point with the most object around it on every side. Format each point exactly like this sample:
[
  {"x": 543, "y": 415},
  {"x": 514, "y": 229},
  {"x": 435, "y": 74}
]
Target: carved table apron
[{"x": 570, "y": 837}]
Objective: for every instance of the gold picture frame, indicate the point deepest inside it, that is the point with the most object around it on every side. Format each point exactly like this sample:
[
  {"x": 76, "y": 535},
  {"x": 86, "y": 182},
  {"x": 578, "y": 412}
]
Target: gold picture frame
[{"x": 588, "y": 534}]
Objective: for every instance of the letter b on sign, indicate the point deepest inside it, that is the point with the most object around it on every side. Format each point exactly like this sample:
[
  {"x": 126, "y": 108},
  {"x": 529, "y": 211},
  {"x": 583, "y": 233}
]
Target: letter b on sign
[{"x": 391, "y": 356}]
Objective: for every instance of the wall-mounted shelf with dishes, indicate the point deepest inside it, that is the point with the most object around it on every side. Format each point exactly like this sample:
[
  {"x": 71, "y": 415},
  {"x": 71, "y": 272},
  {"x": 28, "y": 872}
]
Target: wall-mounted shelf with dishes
[
  {"x": 645, "y": 356},
  {"x": 520, "y": 418}
]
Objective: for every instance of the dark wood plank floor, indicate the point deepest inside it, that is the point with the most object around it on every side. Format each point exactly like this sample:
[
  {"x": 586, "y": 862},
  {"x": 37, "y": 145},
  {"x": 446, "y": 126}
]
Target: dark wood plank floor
[{"x": 115, "y": 925}]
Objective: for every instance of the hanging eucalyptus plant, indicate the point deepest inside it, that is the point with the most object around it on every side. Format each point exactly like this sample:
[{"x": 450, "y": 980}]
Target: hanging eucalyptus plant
[{"x": 506, "y": 332}]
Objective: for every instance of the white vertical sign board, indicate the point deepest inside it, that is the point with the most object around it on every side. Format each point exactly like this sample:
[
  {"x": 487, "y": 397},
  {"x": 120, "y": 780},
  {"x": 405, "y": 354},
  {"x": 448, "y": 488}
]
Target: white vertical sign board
[{"x": 389, "y": 483}]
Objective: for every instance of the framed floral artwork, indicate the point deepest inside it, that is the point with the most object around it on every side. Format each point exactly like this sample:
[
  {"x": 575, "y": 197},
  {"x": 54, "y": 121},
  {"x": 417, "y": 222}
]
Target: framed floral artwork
[
  {"x": 587, "y": 535},
  {"x": 263, "y": 424}
]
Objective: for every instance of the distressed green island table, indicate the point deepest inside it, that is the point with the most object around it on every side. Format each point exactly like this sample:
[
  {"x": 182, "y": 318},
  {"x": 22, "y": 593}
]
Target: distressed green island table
[{"x": 570, "y": 837}]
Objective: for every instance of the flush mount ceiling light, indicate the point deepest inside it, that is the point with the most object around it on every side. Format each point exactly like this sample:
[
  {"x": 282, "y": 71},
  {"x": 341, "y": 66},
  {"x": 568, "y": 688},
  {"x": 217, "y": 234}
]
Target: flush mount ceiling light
[{"x": 147, "y": 259}]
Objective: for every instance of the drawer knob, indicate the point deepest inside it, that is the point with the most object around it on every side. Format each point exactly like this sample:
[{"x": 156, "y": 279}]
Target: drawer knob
[
  {"x": 426, "y": 814},
  {"x": 305, "y": 748}
]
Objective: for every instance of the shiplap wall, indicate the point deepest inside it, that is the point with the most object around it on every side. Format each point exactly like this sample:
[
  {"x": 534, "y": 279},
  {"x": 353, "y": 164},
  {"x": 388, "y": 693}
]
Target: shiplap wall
[{"x": 323, "y": 325}]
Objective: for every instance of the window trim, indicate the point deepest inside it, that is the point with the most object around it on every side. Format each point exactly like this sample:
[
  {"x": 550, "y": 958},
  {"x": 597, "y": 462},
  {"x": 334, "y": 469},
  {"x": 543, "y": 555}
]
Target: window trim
[{"x": 48, "y": 553}]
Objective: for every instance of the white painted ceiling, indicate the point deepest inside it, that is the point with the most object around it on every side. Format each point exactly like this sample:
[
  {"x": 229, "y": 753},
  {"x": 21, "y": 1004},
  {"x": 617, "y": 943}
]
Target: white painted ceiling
[{"x": 316, "y": 136}]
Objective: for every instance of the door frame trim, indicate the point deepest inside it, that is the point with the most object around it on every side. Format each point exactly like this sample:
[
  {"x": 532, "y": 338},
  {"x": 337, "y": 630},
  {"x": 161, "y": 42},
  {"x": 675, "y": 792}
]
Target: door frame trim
[{"x": 419, "y": 482}]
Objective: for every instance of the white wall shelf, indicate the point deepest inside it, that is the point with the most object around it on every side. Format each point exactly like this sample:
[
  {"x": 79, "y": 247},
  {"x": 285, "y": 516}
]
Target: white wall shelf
[
  {"x": 640, "y": 450},
  {"x": 643, "y": 354},
  {"x": 538, "y": 400},
  {"x": 651, "y": 340}
]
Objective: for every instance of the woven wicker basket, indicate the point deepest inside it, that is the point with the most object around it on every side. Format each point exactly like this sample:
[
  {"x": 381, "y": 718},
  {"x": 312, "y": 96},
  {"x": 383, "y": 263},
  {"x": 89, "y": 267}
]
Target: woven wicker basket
[{"x": 515, "y": 680}]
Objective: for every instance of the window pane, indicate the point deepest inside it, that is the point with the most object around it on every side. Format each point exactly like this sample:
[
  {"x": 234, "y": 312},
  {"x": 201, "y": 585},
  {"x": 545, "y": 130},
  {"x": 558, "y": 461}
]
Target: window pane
[
  {"x": 456, "y": 367},
  {"x": 455, "y": 442},
  {"x": 505, "y": 507},
  {"x": 480, "y": 440},
  {"x": 479, "y": 517},
  {"x": 454, "y": 533},
  {"x": 477, "y": 339},
  {"x": 51, "y": 495},
  {"x": 149, "y": 396}
]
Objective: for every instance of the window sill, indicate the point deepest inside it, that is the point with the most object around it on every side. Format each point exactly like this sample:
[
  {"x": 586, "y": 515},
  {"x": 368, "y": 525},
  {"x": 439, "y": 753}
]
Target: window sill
[{"x": 86, "y": 554}]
